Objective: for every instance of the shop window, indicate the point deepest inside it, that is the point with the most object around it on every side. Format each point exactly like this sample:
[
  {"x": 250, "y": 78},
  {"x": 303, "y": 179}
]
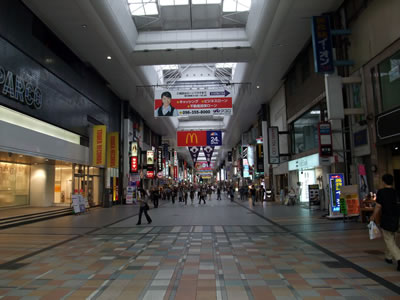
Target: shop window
[
  {"x": 389, "y": 76},
  {"x": 305, "y": 131},
  {"x": 63, "y": 184},
  {"x": 14, "y": 184}
]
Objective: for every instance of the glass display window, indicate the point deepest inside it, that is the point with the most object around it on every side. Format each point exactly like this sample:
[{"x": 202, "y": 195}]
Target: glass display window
[
  {"x": 305, "y": 131},
  {"x": 63, "y": 184},
  {"x": 14, "y": 184},
  {"x": 389, "y": 77}
]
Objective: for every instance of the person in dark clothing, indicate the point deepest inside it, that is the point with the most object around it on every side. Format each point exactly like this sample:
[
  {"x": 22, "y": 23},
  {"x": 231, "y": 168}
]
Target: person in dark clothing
[
  {"x": 218, "y": 193},
  {"x": 155, "y": 196},
  {"x": 203, "y": 195},
  {"x": 387, "y": 203},
  {"x": 144, "y": 207}
]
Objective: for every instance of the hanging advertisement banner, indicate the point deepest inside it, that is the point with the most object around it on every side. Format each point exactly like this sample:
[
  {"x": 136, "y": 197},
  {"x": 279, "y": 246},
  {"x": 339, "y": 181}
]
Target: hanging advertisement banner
[
  {"x": 175, "y": 172},
  {"x": 335, "y": 183},
  {"x": 362, "y": 173},
  {"x": 99, "y": 145},
  {"x": 134, "y": 149},
  {"x": 199, "y": 138},
  {"x": 134, "y": 164},
  {"x": 203, "y": 166},
  {"x": 194, "y": 153},
  {"x": 322, "y": 44},
  {"x": 273, "y": 145},
  {"x": 183, "y": 102},
  {"x": 113, "y": 150},
  {"x": 175, "y": 158},
  {"x": 325, "y": 139},
  {"x": 150, "y": 174},
  {"x": 150, "y": 157}
]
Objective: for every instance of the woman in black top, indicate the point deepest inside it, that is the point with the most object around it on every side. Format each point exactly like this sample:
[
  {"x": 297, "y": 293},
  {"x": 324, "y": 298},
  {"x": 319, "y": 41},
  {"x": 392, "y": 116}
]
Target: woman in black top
[{"x": 387, "y": 204}]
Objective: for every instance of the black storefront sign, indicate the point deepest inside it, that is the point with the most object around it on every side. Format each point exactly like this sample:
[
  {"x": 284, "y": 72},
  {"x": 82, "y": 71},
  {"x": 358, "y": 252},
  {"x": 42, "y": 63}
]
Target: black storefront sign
[
  {"x": 260, "y": 157},
  {"x": 16, "y": 88}
]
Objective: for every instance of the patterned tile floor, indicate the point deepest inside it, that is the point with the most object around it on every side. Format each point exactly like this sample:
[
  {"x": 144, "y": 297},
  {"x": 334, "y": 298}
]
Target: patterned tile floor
[{"x": 220, "y": 250}]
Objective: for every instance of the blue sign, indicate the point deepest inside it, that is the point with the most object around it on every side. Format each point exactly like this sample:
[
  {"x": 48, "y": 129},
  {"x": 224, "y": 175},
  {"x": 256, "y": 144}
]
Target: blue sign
[
  {"x": 335, "y": 184},
  {"x": 214, "y": 138},
  {"x": 322, "y": 45}
]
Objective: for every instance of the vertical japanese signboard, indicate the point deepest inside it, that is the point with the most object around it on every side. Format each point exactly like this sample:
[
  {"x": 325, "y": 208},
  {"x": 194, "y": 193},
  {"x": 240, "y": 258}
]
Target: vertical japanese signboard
[
  {"x": 113, "y": 150},
  {"x": 99, "y": 145},
  {"x": 159, "y": 159},
  {"x": 325, "y": 139},
  {"x": 335, "y": 184},
  {"x": 273, "y": 145},
  {"x": 322, "y": 44},
  {"x": 134, "y": 164}
]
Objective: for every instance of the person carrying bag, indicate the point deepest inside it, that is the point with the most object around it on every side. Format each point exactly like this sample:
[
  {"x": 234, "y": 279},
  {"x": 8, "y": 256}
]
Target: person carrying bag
[{"x": 387, "y": 204}]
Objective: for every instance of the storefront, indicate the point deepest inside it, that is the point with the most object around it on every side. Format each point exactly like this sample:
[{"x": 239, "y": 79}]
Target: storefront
[{"x": 304, "y": 172}]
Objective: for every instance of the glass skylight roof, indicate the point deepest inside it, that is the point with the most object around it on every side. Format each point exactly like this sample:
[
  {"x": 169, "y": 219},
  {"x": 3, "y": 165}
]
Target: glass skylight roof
[
  {"x": 143, "y": 7},
  {"x": 206, "y": 2},
  {"x": 236, "y": 5},
  {"x": 173, "y": 2}
]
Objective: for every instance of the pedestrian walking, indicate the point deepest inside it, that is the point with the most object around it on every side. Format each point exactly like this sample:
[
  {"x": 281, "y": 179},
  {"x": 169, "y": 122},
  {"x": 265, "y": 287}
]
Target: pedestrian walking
[
  {"x": 218, "y": 193},
  {"x": 387, "y": 204},
  {"x": 144, "y": 207}
]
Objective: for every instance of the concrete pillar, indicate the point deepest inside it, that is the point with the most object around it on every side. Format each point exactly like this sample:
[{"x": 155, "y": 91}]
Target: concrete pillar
[{"x": 42, "y": 185}]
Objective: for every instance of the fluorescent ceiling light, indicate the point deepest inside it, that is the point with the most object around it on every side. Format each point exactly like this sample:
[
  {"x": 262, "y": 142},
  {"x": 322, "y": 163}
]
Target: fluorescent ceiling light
[{"x": 315, "y": 112}]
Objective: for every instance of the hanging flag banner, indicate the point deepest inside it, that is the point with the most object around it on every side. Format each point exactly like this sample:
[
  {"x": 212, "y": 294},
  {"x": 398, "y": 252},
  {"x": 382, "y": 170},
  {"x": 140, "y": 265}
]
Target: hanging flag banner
[
  {"x": 99, "y": 145},
  {"x": 112, "y": 150},
  {"x": 194, "y": 152},
  {"x": 199, "y": 138},
  {"x": 174, "y": 103},
  {"x": 150, "y": 160},
  {"x": 208, "y": 152}
]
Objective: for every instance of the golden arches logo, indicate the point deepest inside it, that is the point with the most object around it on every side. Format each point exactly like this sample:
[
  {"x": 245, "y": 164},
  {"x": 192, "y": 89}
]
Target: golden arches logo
[{"x": 192, "y": 136}]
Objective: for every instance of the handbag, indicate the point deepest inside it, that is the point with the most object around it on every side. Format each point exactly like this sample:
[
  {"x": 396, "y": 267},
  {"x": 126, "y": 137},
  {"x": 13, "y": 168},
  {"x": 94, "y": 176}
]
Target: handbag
[{"x": 146, "y": 207}]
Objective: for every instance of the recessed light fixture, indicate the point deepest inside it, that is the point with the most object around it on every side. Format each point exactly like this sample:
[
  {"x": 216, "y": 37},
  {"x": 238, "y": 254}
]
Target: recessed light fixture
[
  {"x": 258, "y": 86},
  {"x": 84, "y": 26},
  {"x": 20, "y": 155},
  {"x": 396, "y": 148},
  {"x": 108, "y": 57},
  {"x": 47, "y": 159}
]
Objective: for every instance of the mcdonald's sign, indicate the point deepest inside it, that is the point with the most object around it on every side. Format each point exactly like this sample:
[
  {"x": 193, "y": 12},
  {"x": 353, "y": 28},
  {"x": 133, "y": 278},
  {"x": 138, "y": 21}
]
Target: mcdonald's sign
[
  {"x": 191, "y": 138},
  {"x": 199, "y": 138}
]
